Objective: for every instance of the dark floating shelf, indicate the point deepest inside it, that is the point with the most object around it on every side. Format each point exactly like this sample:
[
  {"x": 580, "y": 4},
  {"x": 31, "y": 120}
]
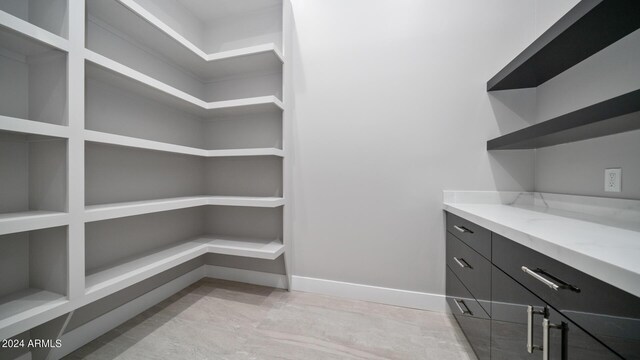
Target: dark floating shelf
[
  {"x": 589, "y": 27},
  {"x": 616, "y": 115}
]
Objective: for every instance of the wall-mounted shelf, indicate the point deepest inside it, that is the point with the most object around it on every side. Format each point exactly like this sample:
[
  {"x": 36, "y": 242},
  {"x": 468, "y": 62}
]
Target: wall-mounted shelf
[
  {"x": 141, "y": 25},
  {"x": 25, "y": 38},
  {"x": 127, "y": 141},
  {"x": 615, "y": 115},
  {"x": 31, "y": 220},
  {"x": 112, "y": 279},
  {"x": 112, "y": 72},
  {"x": 132, "y": 208},
  {"x": 589, "y": 27},
  {"x": 18, "y": 125},
  {"x": 27, "y": 304}
]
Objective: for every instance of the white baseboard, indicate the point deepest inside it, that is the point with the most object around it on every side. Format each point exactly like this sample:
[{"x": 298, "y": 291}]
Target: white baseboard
[
  {"x": 246, "y": 276},
  {"x": 84, "y": 334},
  {"x": 397, "y": 297}
]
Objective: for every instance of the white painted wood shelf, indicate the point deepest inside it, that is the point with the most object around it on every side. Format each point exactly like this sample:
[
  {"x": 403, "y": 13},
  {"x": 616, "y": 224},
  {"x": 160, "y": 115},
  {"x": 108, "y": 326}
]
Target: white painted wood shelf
[
  {"x": 127, "y": 141},
  {"x": 124, "y": 209},
  {"x": 21, "y": 308},
  {"x": 24, "y": 126},
  {"x": 139, "y": 24},
  {"x": 119, "y": 75},
  {"x": 31, "y": 220},
  {"x": 115, "y": 278},
  {"x": 24, "y": 38}
]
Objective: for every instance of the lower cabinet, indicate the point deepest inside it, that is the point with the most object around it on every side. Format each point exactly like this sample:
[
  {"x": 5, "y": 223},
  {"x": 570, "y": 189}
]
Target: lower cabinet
[
  {"x": 505, "y": 312},
  {"x": 525, "y": 327}
]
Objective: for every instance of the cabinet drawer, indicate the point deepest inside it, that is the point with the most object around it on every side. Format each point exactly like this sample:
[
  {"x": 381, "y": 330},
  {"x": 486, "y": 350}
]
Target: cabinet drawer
[
  {"x": 473, "y": 235},
  {"x": 608, "y": 313},
  {"x": 471, "y": 317},
  {"x": 473, "y": 270}
]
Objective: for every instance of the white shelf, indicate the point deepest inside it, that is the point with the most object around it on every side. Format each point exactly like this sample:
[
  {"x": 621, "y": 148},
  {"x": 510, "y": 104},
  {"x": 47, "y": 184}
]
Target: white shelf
[
  {"x": 135, "y": 22},
  {"x": 115, "y": 278},
  {"x": 105, "y": 138},
  {"x": 254, "y": 248},
  {"x": 124, "y": 209},
  {"x": 125, "y": 77},
  {"x": 132, "y": 208},
  {"x": 246, "y": 152},
  {"x": 249, "y": 201},
  {"x": 23, "y": 308},
  {"x": 31, "y": 220},
  {"x": 27, "y": 39},
  {"x": 32, "y": 127}
]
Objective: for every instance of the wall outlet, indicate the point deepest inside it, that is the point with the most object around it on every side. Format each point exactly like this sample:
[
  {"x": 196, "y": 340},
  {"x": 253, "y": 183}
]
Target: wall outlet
[{"x": 612, "y": 180}]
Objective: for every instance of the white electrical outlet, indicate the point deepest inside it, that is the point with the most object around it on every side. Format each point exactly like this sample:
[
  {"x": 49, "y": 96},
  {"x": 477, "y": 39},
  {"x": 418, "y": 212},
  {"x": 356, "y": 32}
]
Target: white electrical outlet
[{"x": 612, "y": 180}]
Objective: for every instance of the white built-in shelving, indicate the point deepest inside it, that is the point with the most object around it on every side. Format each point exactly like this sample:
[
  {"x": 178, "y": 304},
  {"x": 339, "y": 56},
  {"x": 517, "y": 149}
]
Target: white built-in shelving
[{"x": 157, "y": 93}]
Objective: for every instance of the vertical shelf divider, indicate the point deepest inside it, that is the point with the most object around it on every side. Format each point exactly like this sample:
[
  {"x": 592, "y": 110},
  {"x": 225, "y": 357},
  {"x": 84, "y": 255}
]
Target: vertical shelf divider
[{"x": 75, "y": 151}]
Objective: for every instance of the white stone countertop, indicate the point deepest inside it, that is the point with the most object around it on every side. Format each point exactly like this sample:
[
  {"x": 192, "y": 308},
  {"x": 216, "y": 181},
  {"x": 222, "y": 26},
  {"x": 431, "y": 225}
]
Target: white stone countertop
[{"x": 598, "y": 236}]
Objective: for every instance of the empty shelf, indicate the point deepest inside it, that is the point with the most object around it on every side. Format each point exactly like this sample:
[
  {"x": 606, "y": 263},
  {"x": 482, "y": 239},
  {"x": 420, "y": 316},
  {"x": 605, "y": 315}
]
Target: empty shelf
[
  {"x": 127, "y": 141},
  {"x": 254, "y": 248},
  {"x": 24, "y": 307},
  {"x": 142, "y": 26},
  {"x": 132, "y": 208},
  {"x": 105, "y": 138},
  {"x": 249, "y": 201},
  {"x": 124, "y": 209},
  {"x": 107, "y": 70},
  {"x": 109, "y": 280},
  {"x": 31, "y": 220},
  {"x": 32, "y": 127},
  {"x": 601, "y": 119},
  {"x": 589, "y": 27},
  {"x": 26, "y": 39}
]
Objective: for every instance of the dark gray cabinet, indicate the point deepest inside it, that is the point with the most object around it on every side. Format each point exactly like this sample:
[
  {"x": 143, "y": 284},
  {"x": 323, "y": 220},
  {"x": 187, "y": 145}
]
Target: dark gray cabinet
[{"x": 524, "y": 294}]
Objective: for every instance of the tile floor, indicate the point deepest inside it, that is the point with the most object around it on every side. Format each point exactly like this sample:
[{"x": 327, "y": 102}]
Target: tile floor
[{"x": 215, "y": 319}]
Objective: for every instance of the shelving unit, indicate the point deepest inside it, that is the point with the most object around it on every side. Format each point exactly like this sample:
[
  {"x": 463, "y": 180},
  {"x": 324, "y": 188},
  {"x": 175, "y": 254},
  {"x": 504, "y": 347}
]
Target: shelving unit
[
  {"x": 154, "y": 97},
  {"x": 586, "y": 29}
]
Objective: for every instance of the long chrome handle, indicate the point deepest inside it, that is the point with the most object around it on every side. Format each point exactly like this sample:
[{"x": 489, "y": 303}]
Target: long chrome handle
[
  {"x": 462, "y": 229},
  {"x": 459, "y": 302},
  {"x": 530, "y": 313},
  {"x": 462, "y": 262},
  {"x": 546, "y": 325},
  {"x": 540, "y": 278}
]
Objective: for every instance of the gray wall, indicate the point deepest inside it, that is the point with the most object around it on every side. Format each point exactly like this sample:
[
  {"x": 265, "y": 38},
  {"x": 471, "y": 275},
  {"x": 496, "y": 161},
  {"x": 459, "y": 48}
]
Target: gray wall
[
  {"x": 390, "y": 108},
  {"x": 578, "y": 168}
]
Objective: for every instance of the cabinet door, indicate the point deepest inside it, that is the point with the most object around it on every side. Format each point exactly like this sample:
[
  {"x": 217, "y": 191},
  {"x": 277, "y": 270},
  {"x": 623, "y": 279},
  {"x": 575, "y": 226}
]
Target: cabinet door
[{"x": 510, "y": 324}]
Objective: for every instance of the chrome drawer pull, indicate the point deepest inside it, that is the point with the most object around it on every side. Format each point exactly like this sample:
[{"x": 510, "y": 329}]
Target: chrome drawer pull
[
  {"x": 461, "y": 302},
  {"x": 534, "y": 274},
  {"x": 462, "y": 262},
  {"x": 530, "y": 313},
  {"x": 462, "y": 229},
  {"x": 546, "y": 325}
]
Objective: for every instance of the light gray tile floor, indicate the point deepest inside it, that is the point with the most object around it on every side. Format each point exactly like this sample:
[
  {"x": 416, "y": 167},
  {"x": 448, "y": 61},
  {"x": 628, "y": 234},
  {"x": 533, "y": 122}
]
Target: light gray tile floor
[{"x": 215, "y": 319}]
